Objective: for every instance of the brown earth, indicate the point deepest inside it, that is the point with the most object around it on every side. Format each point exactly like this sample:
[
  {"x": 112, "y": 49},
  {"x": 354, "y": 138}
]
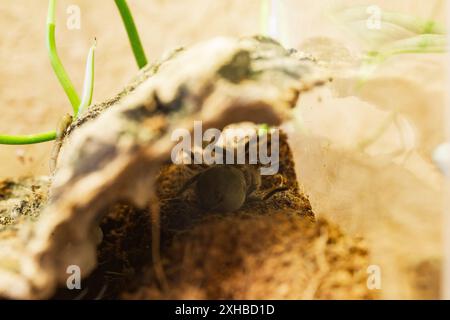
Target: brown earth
[{"x": 267, "y": 249}]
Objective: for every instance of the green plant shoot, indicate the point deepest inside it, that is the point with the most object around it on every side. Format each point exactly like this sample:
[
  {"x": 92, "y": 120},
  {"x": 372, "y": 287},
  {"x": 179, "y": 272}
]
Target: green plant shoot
[
  {"x": 132, "y": 32},
  {"x": 398, "y": 34},
  {"x": 88, "y": 88},
  {"x": 77, "y": 105},
  {"x": 27, "y": 139},
  {"x": 56, "y": 63},
  {"x": 264, "y": 17},
  {"x": 274, "y": 22}
]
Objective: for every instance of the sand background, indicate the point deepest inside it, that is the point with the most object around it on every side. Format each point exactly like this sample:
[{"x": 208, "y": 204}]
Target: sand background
[
  {"x": 30, "y": 97},
  {"x": 390, "y": 193}
]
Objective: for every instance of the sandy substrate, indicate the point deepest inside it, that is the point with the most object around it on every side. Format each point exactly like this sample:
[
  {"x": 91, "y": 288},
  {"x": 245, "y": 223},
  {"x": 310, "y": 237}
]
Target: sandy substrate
[{"x": 390, "y": 192}]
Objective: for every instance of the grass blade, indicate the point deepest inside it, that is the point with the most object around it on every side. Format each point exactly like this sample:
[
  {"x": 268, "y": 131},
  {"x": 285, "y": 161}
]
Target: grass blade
[
  {"x": 88, "y": 87},
  {"x": 264, "y": 17},
  {"x": 394, "y": 26},
  {"x": 133, "y": 34},
  {"x": 425, "y": 43},
  {"x": 397, "y": 34},
  {"x": 56, "y": 63},
  {"x": 27, "y": 139},
  {"x": 409, "y": 23}
]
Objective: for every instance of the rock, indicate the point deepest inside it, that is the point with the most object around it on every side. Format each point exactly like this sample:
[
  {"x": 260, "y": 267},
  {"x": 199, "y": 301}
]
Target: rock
[{"x": 115, "y": 151}]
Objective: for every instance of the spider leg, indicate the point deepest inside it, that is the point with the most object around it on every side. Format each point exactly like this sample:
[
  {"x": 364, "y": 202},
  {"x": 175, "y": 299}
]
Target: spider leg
[
  {"x": 82, "y": 294},
  {"x": 274, "y": 191},
  {"x": 101, "y": 293},
  {"x": 259, "y": 141},
  {"x": 192, "y": 155},
  {"x": 253, "y": 197},
  {"x": 188, "y": 183},
  {"x": 281, "y": 179},
  {"x": 218, "y": 204}
]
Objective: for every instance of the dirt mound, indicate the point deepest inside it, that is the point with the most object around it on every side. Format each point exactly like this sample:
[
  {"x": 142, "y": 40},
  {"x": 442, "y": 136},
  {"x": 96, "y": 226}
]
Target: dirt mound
[
  {"x": 267, "y": 249},
  {"x": 278, "y": 256}
]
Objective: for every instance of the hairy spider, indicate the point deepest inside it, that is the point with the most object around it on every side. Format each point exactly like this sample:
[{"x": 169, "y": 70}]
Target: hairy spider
[{"x": 226, "y": 187}]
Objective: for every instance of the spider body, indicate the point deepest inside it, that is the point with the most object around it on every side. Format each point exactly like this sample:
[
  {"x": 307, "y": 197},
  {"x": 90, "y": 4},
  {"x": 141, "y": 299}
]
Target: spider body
[{"x": 225, "y": 188}]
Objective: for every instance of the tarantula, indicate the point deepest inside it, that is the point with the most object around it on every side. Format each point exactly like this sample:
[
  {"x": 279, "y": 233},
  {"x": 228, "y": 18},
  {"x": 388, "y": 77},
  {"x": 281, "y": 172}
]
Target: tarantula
[{"x": 226, "y": 187}]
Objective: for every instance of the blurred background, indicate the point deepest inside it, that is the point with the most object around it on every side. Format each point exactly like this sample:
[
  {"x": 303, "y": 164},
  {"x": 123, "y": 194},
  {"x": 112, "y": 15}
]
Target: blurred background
[
  {"x": 31, "y": 99},
  {"x": 363, "y": 145}
]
